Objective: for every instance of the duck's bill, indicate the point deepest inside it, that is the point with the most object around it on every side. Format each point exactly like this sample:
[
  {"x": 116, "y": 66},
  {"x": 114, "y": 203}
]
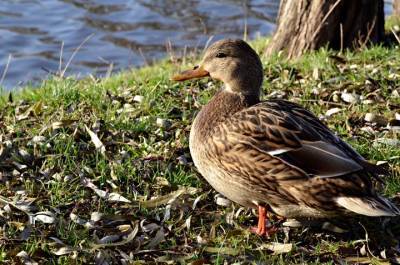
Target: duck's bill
[{"x": 197, "y": 72}]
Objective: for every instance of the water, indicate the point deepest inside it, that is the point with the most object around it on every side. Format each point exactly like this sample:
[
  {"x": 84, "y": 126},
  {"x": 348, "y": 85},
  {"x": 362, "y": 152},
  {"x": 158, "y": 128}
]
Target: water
[{"x": 124, "y": 33}]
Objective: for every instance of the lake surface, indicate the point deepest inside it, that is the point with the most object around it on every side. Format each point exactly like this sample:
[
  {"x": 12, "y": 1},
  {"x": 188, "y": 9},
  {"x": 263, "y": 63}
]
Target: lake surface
[{"x": 122, "y": 33}]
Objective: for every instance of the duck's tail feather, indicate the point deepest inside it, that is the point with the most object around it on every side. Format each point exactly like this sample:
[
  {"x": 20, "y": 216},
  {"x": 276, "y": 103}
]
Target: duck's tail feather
[{"x": 369, "y": 206}]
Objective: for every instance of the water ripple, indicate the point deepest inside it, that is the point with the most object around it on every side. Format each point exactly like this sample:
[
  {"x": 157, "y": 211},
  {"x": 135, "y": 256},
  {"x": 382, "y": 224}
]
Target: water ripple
[{"x": 126, "y": 32}]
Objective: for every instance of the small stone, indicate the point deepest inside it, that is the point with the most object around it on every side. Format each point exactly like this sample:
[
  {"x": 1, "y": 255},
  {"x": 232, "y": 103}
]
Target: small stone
[
  {"x": 68, "y": 178},
  {"x": 222, "y": 201},
  {"x": 182, "y": 160},
  {"x": 350, "y": 97},
  {"x": 315, "y": 91},
  {"x": 201, "y": 240},
  {"x": 368, "y": 101},
  {"x": 162, "y": 182},
  {"x": 57, "y": 176},
  {"x": 335, "y": 98},
  {"x": 315, "y": 73},
  {"x": 138, "y": 98},
  {"x": 292, "y": 223},
  {"x": 163, "y": 123},
  {"x": 38, "y": 139},
  {"x": 96, "y": 216},
  {"x": 25, "y": 156},
  {"x": 128, "y": 107}
]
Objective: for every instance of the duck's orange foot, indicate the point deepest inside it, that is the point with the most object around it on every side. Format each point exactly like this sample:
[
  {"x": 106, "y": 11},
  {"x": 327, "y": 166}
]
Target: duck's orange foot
[
  {"x": 262, "y": 229},
  {"x": 267, "y": 231}
]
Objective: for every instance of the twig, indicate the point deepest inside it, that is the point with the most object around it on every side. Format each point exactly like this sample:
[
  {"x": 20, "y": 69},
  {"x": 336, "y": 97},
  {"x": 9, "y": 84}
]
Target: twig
[
  {"x": 61, "y": 57},
  {"x": 367, "y": 240},
  {"x": 208, "y": 42},
  {"x": 369, "y": 32},
  {"x": 245, "y": 29},
  {"x": 395, "y": 35},
  {"x": 245, "y": 24},
  {"x": 168, "y": 47},
  {"x": 341, "y": 38},
  {"x": 143, "y": 56},
  {"x": 324, "y": 101},
  {"x": 184, "y": 55},
  {"x": 325, "y": 18},
  {"x": 109, "y": 70},
  {"x": 74, "y": 53},
  {"x": 3, "y": 76}
]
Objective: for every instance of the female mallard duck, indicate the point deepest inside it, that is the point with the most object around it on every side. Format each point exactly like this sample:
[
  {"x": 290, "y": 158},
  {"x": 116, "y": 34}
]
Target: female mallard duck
[{"x": 274, "y": 152}]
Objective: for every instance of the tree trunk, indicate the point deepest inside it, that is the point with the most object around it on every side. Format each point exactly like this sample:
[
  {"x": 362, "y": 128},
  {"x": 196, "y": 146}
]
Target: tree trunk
[
  {"x": 305, "y": 25},
  {"x": 396, "y": 7}
]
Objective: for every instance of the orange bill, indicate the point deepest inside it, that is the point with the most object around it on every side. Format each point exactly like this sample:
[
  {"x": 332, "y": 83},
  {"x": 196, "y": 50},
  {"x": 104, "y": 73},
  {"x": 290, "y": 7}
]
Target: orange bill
[{"x": 197, "y": 72}]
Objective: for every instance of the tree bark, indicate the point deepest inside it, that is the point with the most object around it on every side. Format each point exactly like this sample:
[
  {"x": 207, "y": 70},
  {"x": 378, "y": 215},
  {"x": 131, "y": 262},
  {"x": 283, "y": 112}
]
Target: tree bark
[
  {"x": 396, "y": 7},
  {"x": 305, "y": 25}
]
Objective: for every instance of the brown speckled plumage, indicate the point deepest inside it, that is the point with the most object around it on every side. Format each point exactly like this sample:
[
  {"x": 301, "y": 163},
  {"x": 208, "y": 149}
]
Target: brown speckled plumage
[{"x": 274, "y": 152}]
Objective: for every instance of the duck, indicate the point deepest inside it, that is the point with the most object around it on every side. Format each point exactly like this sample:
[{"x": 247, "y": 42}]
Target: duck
[{"x": 274, "y": 155}]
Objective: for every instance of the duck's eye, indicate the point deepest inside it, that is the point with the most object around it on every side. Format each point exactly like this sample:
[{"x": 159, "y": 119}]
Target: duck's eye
[{"x": 220, "y": 55}]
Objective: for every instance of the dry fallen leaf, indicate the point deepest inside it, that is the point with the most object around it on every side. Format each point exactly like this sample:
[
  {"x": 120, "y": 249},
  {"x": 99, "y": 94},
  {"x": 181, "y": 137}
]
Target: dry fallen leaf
[
  {"x": 157, "y": 239},
  {"x": 350, "y": 97},
  {"x": 96, "y": 141},
  {"x": 277, "y": 248},
  {"x": 165, "y": 199},
  {"x": 128, "y": 238},
  {"x": 34, "y": 110},
  {"x": 26, "y": 260},
  {"x": 46, "y": 217},
  {"x": 113, "y": 196},
  {"x": 62, "y": 124},
  {"x": 223, "y": 251},
  {"x": 24, "y": 206},
  {"x": 64, "y": 250},
  {"x": 332, "y": 111}
]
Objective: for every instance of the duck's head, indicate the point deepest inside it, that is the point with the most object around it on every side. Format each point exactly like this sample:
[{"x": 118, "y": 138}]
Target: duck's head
[{"x": 233, "y": 62}]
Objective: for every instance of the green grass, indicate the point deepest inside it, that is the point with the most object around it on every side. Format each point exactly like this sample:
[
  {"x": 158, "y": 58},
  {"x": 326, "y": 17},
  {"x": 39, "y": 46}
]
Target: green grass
[{"x": 141, "y": 162}]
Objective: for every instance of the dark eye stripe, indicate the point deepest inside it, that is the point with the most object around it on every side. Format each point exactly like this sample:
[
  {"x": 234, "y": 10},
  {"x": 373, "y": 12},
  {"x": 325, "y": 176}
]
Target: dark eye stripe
[{"x": 220, "y": 55}]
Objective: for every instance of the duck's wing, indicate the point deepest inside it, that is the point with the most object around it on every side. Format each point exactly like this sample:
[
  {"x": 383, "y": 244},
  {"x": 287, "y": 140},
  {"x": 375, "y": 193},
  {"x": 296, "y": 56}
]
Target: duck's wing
[{"x": 287, "y": 132}]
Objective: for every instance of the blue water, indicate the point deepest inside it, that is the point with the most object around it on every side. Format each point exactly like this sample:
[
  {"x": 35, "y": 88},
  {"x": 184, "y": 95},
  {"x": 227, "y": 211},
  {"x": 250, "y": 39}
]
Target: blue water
[{"x": 122, "y": 33}]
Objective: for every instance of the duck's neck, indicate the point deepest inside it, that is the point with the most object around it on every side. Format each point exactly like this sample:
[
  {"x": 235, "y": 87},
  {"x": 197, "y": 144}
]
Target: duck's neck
[{"x": 223, "y": 105}]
